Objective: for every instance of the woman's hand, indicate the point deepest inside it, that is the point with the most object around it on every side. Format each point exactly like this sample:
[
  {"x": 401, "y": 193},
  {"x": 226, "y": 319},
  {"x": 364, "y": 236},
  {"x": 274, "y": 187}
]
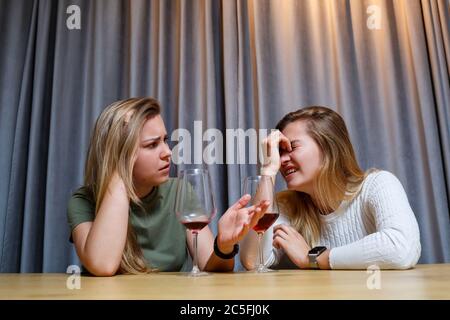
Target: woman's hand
[
  {"x": 271, "y": 152},
  {"x": 292, "y": 243},
  {"x": 237, "y": 221}
]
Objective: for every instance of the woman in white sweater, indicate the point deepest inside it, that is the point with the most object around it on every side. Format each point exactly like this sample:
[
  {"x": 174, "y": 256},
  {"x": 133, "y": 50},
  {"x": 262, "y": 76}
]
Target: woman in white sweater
[{"x": 350, "y": 218}]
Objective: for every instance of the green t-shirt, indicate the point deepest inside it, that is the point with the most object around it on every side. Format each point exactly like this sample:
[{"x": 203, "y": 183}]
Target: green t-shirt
[{"x": 161, "y": 236}]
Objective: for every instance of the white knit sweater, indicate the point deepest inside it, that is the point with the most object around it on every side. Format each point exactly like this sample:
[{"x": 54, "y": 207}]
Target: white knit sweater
[{"x": 377, "y": 227}]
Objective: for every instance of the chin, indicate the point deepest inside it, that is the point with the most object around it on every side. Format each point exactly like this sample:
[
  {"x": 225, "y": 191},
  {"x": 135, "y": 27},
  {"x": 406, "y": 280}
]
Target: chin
[
  {"x": 156, "y": 181},
  {"x": 290, "y": 185},
  {"x": 294, "y": 185},
  {"x": 163, "y": 179}
]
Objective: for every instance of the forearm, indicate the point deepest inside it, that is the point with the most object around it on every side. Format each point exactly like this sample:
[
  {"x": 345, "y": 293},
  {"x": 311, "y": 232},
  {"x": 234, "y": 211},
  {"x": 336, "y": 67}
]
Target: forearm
[
  {"x": 107, "y": 237},
  {"x": 387, "y": 249},
  {"x": 207, "y": 260},
  {"x": 269, "y": 173},
  {"x": 218, "y": 264}
]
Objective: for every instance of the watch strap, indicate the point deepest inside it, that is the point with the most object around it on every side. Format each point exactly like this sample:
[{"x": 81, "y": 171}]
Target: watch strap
[
  {"x": 313, "y": 262},
  {"x": 222, "y": 255},
  {"x": 313, "y": 256}
]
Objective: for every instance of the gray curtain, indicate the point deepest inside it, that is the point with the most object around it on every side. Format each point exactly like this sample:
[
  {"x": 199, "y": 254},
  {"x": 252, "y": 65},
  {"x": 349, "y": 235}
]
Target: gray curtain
[{"x": 230, "y": 64}]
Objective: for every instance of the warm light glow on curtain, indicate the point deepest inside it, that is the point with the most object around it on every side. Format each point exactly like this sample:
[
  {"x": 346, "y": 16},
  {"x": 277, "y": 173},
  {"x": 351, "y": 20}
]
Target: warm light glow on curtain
[{"x": 383, "y": 64}]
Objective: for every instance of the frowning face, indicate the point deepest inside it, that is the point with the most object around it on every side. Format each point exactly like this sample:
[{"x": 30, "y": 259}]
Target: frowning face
[{"x": 152, "y": 164}]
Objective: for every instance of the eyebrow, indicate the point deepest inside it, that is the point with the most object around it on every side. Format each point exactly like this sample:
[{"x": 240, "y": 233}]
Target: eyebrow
[{"x": 153, "y": 138}]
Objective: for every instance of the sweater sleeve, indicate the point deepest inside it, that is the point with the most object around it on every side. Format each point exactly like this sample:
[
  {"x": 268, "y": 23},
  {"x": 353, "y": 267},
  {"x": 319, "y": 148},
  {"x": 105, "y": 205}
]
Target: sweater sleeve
[
  {"x": 249, "y": 247},
  {"x": 396, "y": 242}
]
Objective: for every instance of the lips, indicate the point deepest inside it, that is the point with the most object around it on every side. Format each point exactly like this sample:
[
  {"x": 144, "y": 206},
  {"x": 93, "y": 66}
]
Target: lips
[
  {"x": 288, "y": 171},
  {"x": 165, "y": 167}
]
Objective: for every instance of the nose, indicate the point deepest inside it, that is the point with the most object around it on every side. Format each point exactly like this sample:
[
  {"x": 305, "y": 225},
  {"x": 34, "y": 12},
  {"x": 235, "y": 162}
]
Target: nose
[
  {"x": 285, "y": 157},
  {"x": 166, "y": 153}
]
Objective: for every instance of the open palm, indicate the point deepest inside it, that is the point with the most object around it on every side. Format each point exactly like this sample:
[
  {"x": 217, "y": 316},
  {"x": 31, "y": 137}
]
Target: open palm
[{"x": 238, "y": 220}]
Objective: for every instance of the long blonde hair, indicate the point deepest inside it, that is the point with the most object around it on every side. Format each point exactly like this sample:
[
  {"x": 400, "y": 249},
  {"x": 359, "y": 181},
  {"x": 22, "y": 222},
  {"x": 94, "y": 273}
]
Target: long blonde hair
[
  {"x": 113, "y": 148},
  {"x": 339, "y": 177}
]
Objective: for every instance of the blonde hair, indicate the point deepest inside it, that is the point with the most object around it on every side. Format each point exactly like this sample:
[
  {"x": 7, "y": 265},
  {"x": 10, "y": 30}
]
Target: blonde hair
[
  {"x": 339, "y": 177},
  {"x": 113, "y": 148}
]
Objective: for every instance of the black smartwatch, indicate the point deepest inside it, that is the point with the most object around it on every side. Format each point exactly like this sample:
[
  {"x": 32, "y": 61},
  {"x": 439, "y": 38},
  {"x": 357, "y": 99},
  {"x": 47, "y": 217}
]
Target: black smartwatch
[
  {"x": 313, "y": 254},
  {"x": 223, "y": 255}
]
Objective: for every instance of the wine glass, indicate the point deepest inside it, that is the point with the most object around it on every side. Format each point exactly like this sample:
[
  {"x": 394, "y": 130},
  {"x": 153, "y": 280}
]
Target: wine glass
[
  {"x": 261, "y": 188},
  {"x": 194, "y": 206}
]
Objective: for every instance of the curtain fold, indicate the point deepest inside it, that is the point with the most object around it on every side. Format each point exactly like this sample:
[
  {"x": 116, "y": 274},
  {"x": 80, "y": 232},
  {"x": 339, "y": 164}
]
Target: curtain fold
[
  {"x": 436, "y": 17},
  {"x": 233, "y": 64}
]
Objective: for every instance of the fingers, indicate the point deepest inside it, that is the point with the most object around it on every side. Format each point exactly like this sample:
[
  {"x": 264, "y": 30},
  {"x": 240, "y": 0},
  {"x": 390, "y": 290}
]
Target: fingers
[
  {"x": 281, "y": 231},
  {"x": 288, "y": 233},
  {"x": 249, "y": 216},
  {"x": 279, "y": 243},
  {"x": 251, "y": 208},
  {"x": 246, "y": 222},
  {"x": 271, "y": 154},
  {"x": 253, "y": 217},
  {"x": 270, "y": 143},
  {"x": 282, "y": 228},
  {"x": 285, "y": 143},
  {"x": 280, "y": 234},
  {"x": 276, "y": 244},
  {"x": 256, "y": 212},
  {"x": 242, "y": 202},
  {"x": 241, "y": 233},
  {"x": 272, "y": 138},
  {"x": 245, "y": 214},
  {"x": 273, "y": 142},
  {"x": 262, "y": 206}
]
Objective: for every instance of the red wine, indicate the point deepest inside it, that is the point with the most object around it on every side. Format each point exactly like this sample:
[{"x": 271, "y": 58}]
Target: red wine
[
  {"x": 266, "y": 221},
  {"x": 195, "y": 226}
]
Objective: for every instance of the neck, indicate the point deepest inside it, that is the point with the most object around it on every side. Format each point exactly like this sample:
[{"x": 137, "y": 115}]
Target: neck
[{"x": 142, "y": 191}]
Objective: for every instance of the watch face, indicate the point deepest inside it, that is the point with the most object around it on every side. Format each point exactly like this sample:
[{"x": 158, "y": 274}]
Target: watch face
[{"x": 317, "y": 250}]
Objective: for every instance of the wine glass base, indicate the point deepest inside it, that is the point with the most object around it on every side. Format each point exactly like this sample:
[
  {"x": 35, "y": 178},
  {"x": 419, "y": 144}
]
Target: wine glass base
[
  {"x": 198, "y": 274},
  {"x": 262, "y": 269}
]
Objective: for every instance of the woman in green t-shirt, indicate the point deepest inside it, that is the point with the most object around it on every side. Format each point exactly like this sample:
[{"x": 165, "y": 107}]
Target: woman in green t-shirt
[{"x": 122, "y": 217}]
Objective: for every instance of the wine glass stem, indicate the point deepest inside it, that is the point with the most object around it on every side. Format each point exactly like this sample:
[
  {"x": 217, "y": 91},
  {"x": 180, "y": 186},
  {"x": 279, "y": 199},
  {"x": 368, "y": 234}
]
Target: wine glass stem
[
  {"x": 195, "y": 268},
  {"x": 260, "y": 250}
]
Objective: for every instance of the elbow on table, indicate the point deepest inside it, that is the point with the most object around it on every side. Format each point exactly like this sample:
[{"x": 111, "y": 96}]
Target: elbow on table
[
  {"x": 102, "y": 269},
  {"x": 401, "y": 264},
  {"x": 404, "y": 257},
  {"x": 248, "y": 262}
]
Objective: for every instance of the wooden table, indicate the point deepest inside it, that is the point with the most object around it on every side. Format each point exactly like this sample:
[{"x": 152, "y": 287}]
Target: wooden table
[{"x": 422, "y": 282}]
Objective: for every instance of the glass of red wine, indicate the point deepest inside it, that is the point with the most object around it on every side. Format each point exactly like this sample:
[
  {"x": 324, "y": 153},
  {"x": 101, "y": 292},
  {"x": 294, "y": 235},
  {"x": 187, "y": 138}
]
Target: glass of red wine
[
  {"x": 194, "y": 206},
  {"x": 261, "y": 188}
]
